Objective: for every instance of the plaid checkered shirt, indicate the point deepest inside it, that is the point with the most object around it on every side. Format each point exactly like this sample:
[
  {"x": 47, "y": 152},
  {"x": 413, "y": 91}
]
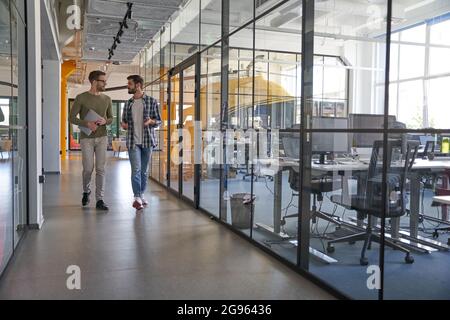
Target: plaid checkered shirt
[{"x": 151, "y": 111}]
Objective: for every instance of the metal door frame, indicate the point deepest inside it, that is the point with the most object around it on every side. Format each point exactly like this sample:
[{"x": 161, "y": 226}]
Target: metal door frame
[{"x": 179, "y": 70}]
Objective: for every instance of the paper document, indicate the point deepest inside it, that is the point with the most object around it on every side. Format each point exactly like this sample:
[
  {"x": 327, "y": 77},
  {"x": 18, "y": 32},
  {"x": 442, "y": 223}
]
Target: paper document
[{"x": 91, "y": 116}]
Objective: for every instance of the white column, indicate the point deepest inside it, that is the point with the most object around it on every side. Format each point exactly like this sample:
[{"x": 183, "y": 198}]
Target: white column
[
  {"x": 51, "y": 121},
  {"x": 34, "y": 113}
]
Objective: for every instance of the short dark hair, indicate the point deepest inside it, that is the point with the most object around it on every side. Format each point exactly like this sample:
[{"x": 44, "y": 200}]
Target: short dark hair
[
  {"x": 137, "y": 79},
  {"x": 94, "y": 75}
]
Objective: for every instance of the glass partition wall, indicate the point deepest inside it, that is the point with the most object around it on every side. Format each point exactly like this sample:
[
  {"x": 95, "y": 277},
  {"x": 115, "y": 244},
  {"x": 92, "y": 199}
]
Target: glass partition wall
[
  {"x": 319, "y": 133},
  {"x": 13, "y": 108},
  {"x": 419, "y": 76}
]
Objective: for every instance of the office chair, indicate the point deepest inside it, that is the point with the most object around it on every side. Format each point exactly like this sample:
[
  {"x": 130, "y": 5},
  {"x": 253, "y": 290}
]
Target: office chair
[
  {"x": 368, "y": 199},
  {"x": 291, "y": 144},
  {"x": 258, "y": 171},
  {"x": 318, "y": 187},
  {"x": 428, "y": 152}
]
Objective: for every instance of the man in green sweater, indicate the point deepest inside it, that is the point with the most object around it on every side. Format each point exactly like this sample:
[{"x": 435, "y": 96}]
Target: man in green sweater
[{"x": 95, "y": 144}]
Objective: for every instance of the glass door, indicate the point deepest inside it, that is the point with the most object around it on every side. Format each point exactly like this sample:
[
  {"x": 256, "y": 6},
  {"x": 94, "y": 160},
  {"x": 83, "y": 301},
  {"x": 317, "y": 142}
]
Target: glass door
[
  {"x": 183, "y": 117},
  {"x": 174, "y": 123},
  {"x": 13, "y": 141},
  {"x": 188, "y": 132},
  {"x": 6, "y": 162}
]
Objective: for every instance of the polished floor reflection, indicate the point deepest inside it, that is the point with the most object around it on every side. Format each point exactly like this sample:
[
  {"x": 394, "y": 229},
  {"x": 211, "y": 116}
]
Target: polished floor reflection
[{"x": 170, "y": 251}]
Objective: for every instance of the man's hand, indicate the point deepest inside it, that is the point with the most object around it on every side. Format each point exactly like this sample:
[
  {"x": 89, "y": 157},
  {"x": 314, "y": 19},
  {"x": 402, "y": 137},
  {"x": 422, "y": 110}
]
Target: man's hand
[
  {"x": 101, "y": 122},
  {"x": 124, "y": 126},
  {"x": 150, "y": 122},
  {"x": 92, "y": 125}
]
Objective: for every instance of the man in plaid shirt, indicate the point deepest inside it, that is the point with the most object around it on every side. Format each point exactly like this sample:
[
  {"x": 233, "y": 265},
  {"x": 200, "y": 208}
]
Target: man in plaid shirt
[{"x": 140, "y": 117}]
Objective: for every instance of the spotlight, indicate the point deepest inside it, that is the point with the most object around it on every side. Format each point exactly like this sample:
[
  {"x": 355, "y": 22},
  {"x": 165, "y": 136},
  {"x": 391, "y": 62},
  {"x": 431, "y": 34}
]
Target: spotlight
[
  {"x": 124, "y": 24},
  {"x": 129, "y": 5}
]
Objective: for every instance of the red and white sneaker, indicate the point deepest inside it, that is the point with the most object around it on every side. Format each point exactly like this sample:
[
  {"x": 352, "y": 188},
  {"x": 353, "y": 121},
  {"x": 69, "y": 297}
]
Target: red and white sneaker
[{"x": 137, "y": 205}]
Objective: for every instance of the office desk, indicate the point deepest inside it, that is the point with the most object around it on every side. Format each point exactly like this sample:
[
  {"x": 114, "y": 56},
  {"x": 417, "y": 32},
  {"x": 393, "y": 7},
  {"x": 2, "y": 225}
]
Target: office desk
[
  {"x": 346, "y": 170},
  {"x": 420, "y": 168},
  {"x": 442, "y": 199},
  {"x": 278, "y": 188}
]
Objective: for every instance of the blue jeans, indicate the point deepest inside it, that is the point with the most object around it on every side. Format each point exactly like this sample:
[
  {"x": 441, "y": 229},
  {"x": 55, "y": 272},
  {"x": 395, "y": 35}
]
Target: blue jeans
[{"x": 139, "y": 158}]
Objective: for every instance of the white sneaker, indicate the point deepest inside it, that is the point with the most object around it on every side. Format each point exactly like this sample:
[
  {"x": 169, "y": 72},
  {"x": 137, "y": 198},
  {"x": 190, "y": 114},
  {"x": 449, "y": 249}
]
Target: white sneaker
[
  {"x": 138, "y": 199},
  {"x": 144, "y": 202}
]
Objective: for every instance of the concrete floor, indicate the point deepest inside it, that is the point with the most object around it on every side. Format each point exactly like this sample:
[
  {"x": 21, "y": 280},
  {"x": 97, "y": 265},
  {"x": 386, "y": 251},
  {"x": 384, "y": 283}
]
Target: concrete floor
[{"x": 170, "y": 251}]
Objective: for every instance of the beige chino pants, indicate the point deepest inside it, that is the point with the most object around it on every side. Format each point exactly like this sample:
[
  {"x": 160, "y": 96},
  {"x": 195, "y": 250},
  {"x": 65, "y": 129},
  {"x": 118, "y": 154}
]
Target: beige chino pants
[{"x": 93, "y": 150}]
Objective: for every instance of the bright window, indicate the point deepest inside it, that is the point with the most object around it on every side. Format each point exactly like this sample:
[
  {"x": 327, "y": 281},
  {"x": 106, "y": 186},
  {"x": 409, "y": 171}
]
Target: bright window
[{"x": 420, "y": 59}]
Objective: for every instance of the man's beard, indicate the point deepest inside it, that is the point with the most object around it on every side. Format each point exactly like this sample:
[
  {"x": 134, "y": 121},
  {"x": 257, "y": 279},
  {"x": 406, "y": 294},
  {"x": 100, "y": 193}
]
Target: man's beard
[
  {"x": 101, "y": 89},
  {"x": 131, "y": 91}
]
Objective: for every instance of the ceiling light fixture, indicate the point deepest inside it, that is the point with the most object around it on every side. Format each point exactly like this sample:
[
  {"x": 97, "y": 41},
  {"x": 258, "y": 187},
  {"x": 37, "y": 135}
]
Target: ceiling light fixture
[
  {"x": 129, "y": 12},
  {"x": 123, "y": 24}
]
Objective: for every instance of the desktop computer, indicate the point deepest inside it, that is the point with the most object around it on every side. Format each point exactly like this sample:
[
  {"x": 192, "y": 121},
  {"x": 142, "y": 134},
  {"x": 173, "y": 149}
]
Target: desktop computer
[
  {"x": 368, "y": 121},
  {"x": 324, "y": 143},
  {"x": 425, "y": 139}
]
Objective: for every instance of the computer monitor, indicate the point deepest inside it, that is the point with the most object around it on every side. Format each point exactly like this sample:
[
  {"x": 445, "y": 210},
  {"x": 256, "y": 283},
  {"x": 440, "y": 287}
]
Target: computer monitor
[
  {"x": 425, "y": 139},
  {"x": 367, "y": 121},
  {"x": 329, "y": 142}
]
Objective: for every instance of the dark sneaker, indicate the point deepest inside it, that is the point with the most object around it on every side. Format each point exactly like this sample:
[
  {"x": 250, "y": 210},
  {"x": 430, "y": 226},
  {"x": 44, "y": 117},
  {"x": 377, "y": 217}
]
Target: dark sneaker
[
  {"x": 101, "y": 205},
  {"x": 137, "y": 205},
  {"x": 85, "y": 200}
]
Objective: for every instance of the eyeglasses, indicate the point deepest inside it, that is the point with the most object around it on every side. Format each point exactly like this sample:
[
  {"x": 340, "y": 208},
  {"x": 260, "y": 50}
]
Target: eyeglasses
[{"x": 104, "y": 81}]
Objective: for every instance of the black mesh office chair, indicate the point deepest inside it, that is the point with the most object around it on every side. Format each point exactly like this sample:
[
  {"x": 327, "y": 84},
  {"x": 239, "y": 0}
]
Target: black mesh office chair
[
  {"x": 368, "y": 199},
  {"x": 291, "y": 146}
]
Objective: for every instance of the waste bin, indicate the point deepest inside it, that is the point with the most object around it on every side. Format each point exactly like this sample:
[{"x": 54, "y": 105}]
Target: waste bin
[{"x": 241, "y": 210}]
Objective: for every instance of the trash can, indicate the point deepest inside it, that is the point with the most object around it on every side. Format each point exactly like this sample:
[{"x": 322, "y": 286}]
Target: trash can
[{"x": 241, "y": 210}]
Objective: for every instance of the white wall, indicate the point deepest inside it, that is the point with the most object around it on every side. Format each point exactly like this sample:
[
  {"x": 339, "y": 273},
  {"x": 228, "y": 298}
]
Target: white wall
[
  {"x": 51, "y": 115},
  {"x": 34, "y": 113}
]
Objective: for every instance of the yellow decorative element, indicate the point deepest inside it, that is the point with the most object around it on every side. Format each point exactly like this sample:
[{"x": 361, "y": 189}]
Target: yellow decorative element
[{"x": 67, "y": 68}]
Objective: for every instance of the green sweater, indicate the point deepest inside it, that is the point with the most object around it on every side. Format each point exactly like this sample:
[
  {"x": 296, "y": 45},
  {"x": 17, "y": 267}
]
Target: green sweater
[{"x": 84, "y": 102}]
